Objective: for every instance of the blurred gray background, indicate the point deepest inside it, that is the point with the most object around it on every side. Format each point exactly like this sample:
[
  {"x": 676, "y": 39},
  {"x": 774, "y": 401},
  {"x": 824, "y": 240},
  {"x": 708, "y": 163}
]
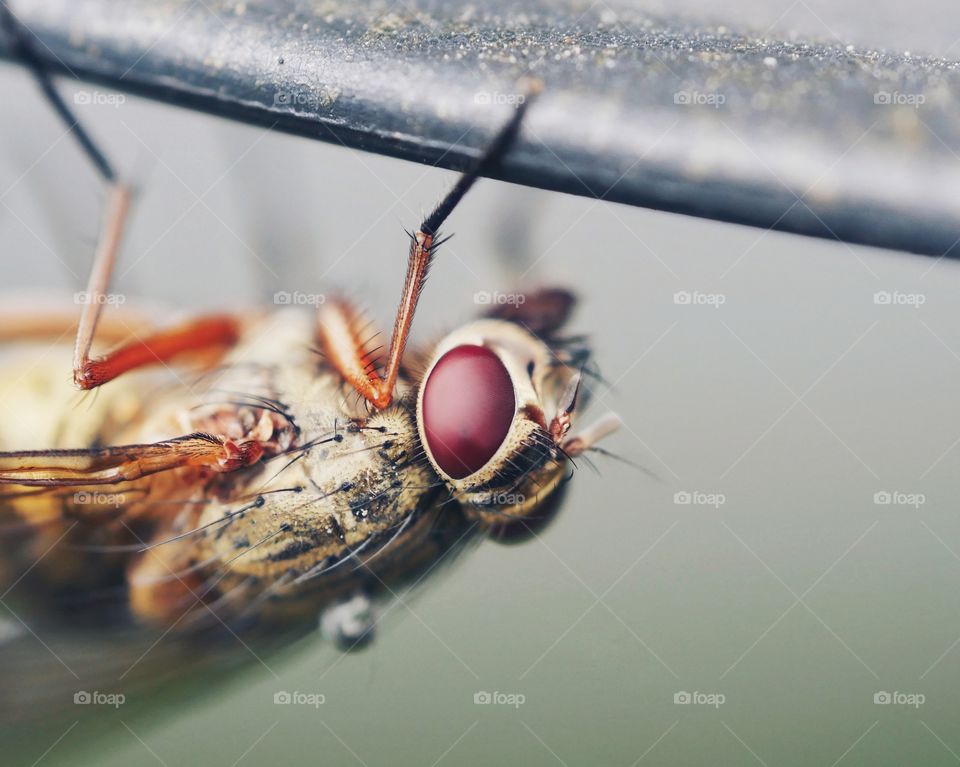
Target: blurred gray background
[{"x": 796, "y": 597}]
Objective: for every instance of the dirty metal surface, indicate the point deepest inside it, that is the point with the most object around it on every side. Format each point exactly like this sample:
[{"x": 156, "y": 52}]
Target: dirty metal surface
[{"x": 813, "y": 137}]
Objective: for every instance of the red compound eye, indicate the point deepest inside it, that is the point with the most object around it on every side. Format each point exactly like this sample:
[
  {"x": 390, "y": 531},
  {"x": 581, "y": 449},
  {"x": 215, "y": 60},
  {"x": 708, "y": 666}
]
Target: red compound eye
[{"x": 468, "y": 406}]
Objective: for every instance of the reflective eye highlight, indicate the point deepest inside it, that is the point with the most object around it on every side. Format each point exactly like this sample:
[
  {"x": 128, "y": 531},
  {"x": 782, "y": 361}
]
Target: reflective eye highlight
[{"x": 468, "y": 408}]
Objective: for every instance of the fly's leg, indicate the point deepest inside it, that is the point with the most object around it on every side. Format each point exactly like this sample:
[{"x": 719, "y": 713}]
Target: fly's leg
[
  {"x": 206, "y": 333},
  {"x": 85, "y": 468},
  {"x": 202, "y": 334},
  {"x": 23, "y": 47},
  {"x": 108, "y": 244},
  {"x": 139, "y": 344},
  {"x": 340, "y": 334},
  {"x": 336, "y": 338},
  {"x": 199, "y": 335}
]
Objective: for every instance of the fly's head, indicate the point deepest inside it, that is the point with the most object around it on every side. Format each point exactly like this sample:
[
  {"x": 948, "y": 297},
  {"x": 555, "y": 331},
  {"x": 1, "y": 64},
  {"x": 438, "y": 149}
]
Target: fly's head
[{"x": 495, "y": 409}]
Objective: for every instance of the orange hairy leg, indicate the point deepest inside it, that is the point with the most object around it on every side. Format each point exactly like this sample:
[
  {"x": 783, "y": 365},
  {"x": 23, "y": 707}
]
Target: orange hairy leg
[
  {"x": 140, "y": 343},
  {"x": 347, "y": 352},
  {"x": 113, "y": 465},
  {"x": 202, "y": 334},
  {"x": 336, "y": 332}
]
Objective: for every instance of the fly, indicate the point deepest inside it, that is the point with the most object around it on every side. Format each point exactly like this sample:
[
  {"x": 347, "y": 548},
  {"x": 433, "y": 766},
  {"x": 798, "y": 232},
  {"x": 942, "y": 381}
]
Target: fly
[{"x": 307, "y": 469}]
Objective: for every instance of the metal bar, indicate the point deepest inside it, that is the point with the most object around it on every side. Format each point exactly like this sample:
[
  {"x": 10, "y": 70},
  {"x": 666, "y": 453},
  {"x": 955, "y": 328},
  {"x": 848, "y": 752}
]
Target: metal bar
[{"x": 814, "y": 138}]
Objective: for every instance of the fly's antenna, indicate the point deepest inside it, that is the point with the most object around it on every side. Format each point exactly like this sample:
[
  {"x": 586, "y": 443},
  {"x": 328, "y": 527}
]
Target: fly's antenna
[
  {"x": 529, "y": 87},
  {"x": 24, "y": 48}
]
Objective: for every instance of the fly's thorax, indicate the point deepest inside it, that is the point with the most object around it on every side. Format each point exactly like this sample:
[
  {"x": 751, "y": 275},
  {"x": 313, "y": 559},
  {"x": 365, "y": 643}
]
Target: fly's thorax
[
  {"x": 347, "y": 487},
  {"x": 333, "y": 478}
]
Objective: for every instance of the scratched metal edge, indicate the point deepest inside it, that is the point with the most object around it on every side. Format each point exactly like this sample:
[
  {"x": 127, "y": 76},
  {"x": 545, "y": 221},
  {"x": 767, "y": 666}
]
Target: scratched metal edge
[{"x": 913, "y": 211}]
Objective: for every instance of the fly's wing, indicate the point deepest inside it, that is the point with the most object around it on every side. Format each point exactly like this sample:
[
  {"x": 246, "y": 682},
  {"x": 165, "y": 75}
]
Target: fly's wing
[
  {"x": 49, "y": 674},
  {"x": 86, "y": 639},
  {"x": 543, "y": 312},
  {"x": 47, "y": 665},
  {"x": 66, "y": 629},
  {"x": 68, "y": 517}
]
